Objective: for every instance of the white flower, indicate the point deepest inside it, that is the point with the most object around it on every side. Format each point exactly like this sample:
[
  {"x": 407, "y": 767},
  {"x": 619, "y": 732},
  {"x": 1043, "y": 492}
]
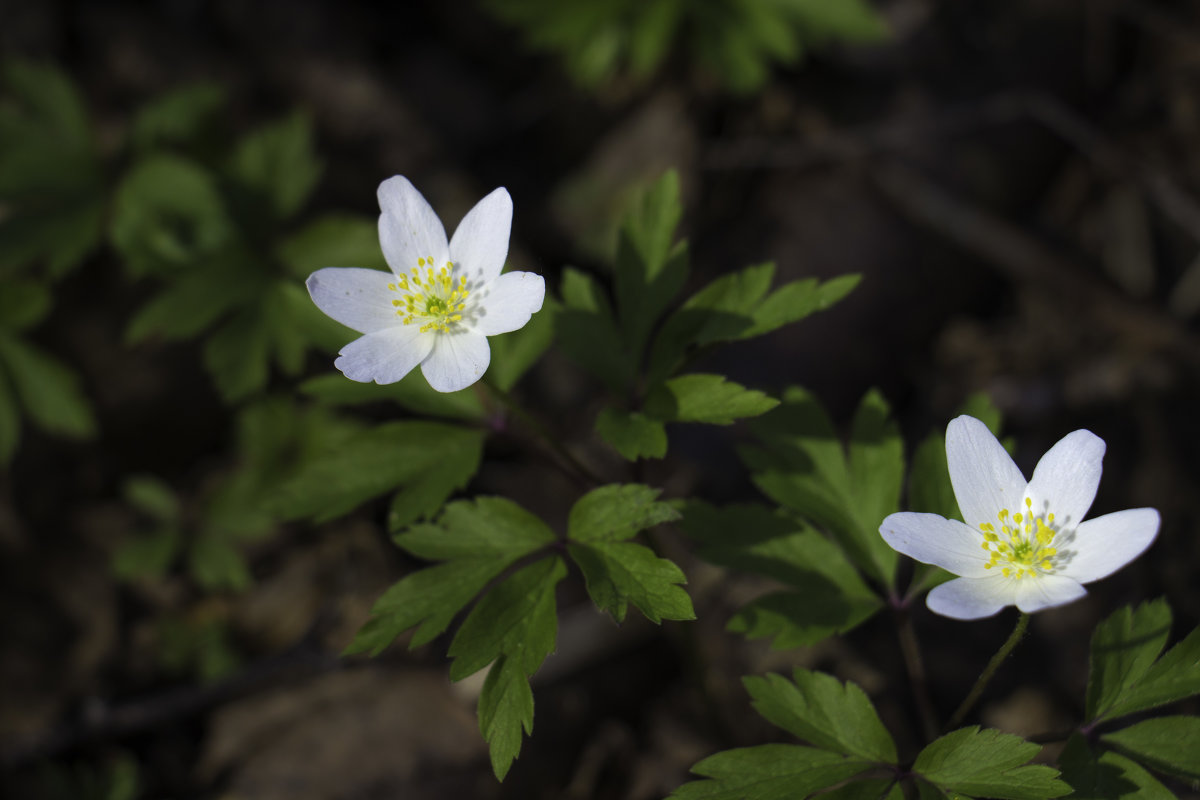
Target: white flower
[
  {"x": 1023, "y": 544},
  {"x": 440, "y": 302}
]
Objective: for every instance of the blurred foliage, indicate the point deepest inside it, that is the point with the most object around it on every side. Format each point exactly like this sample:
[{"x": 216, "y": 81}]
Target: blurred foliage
[
  {"x": 735, "y": 41},
  {"x": 114, "y": 779}
]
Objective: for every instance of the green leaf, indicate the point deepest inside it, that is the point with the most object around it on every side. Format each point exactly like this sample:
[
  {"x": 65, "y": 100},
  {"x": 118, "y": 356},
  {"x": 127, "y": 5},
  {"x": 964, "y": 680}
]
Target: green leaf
[
  {"x": 336, "y": 240},
  {"x": 379, "y": 460},
  {"x": 515, "y": 352},
  {"x": 277, "y": 162},
  {"x": 217, "y": 565},
  {"x": 822, "y": 711},
  {"x": 517, "y": 618},
  {"x": 929, "y": 488},
  {"x": 426, "y": 492},
  {"x": 650, "y": 269},
  {"x": 586, "y": 331},
  {"x": 477, "y": 540},
  {"x": 412, "y": 392},
  {"x": 794, "y": 301},
  {"x": 167, "y": 214},
  {"x": 1173, "y": 677},
  {"x": 49, "y": 390},
  {"x": 632, "y": 434},
  {"x": 980, "y": 406},
  {"x": 1165, "y": 744},
  {"x": 805, "y": 469},
  {"x": 620, "y": 573},
  {"x": 198, "y": 298},
  {"x": 505, "y": 709},
  {"x": 23, "y": 304},
  {"x": 237, "y": 355},
  {"x": 1124, "y": 647},
  {"x": 178, "y": 117},
  {"x": 706, "y": 398},
  {"x": 988, "y": 763},
  {"x": 51, "y": 179},
  {"x": 768, "y": 772},
  {"x": 152, "y": 497},
  {"x": 826, "y": 595},
  {"x": 1107, "y": 775},
  {"x": 617, "y": 512},
  {"x": 147, "y": 554}
]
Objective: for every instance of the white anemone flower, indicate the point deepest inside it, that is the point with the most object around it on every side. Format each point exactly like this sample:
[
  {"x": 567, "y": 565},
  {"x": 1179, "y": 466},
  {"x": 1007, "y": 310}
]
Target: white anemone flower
[
  {"x": 441, "y": 300},
  {"x": 1023, "y": 543}
]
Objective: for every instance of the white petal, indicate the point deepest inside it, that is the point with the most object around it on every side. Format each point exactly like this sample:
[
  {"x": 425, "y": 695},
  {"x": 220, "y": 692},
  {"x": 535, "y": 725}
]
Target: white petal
[
  {"x": 1046, "y": 591},
  {"x": 1066, "y": 478},
  {"x": 1103, "y": 545},
  {"x": 357, "y": 298},
  {"x": 508, "y": 302},
  {"x": 984, "y": 477},
  {"x": 971, "y": 598},
  {"x": 457, "y": 360},
  {"x": 384, "y": 356},
  {"x": 408, "y": 228},
  {"x": 932, "y": 539},
  {"x": 480, "y": 243}
]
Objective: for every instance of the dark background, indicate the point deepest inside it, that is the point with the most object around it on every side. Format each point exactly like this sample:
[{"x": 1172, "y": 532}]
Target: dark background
[{"x": 1016, "y": 182}]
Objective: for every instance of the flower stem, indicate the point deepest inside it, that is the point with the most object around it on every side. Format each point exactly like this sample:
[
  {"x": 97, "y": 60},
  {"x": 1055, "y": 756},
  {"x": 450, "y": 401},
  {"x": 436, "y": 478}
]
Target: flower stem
[
  {"x": 568, "y": 462},
  {"x": 916, "y": 673},
  {"x": 1001, "y": 654}
]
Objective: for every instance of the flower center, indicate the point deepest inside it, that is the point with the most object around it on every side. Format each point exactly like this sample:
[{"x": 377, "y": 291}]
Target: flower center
[
  {"x": 433, "y": 299},
  {"x": 1021, "y": 545}
]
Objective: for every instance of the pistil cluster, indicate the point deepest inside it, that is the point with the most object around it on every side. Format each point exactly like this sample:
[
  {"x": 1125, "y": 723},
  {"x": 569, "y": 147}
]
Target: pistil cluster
[
  {"x": 1021, "y": 546},
  {"x": 434, "y": 298}
]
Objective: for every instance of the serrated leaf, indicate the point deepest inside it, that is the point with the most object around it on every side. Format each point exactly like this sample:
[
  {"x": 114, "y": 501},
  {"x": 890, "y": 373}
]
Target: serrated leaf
[
  {"x": 803, "y": 467},
  {"x": 427, "y": 492},
  {"x": 632, "y": 434},
  {"x": 23, "y": 304},
  {"x": 505, "y": 709},
  {"x": 1173, "y": 677},
  {"x": 277, "y": 162},
  {"x": 706, "y": 398},
  {"x": 430, "y": 598},
  {"x": 167, "y": 213},
  {"x": 768, "y": 772},
  {"x": 517, "y": 619},
  {"x": 515, "y": 352},
  {"x": 373, "y": 462},
  {"x": 617, "y": 512},
  {"x": 483, "y": 527},
  {"x": 619, "y": 573},
  {"x": 1107, "y": 775},
  {"x": 48, "y": 389},
  {"x": 988, "y": 763},
  {"x": 826, "y": 594},
  {"x": 823, "y": 712},
  {"x": 794, "y": 301},
  {"x": 1165, "y": 744},
  {"x": 1123, "y": 648},
  {"x": 650, "y": 268},
  {"x": 335, "y": 240}
]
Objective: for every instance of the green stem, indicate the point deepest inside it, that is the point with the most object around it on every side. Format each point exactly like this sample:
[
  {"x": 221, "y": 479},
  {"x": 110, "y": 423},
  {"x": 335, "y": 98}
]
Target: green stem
[
  {"x": 989, "y": 671},
  {"x": 916, "y": 673},
  {"x": 569, "y": 462}
]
